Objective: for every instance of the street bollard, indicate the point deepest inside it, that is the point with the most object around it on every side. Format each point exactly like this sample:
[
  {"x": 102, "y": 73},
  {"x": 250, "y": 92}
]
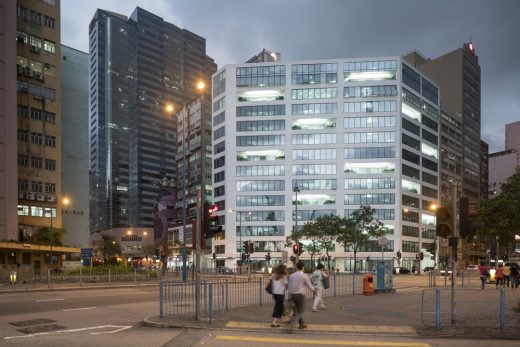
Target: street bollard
[
  {"x": 437, "y": 309},
  {"x": 502, "y": 308},
  {"x": 109, "y": 277},
  {"x": 161, "y": 296},
  {"x": 462, "y": 278},
  {"x": 260, "y": 291},
  {"x": 135, "y": 275},
  {"x": 210, "y": 303},
  {"x": 334, "y": 284},
  {"x": 227, "y": 294},
  {"x": 80, "y": 276}
]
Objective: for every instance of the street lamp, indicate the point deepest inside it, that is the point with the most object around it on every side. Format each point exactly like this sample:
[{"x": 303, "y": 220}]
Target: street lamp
[
  {"x": 65, "y": 202},
  {"x": 169, "y": 108},
  {"x": 296, "y": 190}
]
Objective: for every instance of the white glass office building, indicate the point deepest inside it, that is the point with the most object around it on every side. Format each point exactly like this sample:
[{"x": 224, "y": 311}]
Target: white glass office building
[{"x": 346, "y": 132}]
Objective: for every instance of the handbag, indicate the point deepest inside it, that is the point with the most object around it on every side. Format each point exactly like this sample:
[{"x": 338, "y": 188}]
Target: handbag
[
  {"x": 326, "y": 282},
  {"x": 269, "y": 287}
]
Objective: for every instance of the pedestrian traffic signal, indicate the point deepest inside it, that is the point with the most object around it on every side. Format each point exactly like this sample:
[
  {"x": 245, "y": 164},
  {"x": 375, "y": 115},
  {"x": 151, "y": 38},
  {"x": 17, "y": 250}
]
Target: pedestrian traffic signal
[
  {"x": 417, "y": 256},
  {"x": 210, "y": 220},
  {"x": 443, "y": 215},
  {"x": 398, "y": 255},
  {"x": 295, "y": 249},
  {"x": 467, "y": 226}
]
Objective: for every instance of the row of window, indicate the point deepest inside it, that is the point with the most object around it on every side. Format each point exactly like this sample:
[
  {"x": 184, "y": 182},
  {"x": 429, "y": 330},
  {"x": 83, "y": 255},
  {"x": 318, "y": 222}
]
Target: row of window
[
  {"x": 36, "y": 43},
  {"x": 36, "y": 162},
  {"x": 314, "y": 154},
  {"x": 261, "y": 230},
  {"x": 34, "y": 68},
  {"x": 314, "y": 93},
  {"x": 40, "y": 139},
  {"x": 38, "y": 91},
  {"x": 370, "y": 106},
  {"x": 369, "y": 152},
  {"x": 36, "y": 186},
  {"x": 370, "y": 137},
  {"x": 36, "y": 114},
  {"x": 36, "y": 211},
  {"x": 35, "y": 17},
  {"x": 255, "y": 186},
  {"x": 380, "y": 214},
  {"x": 369, "y": 91},
  {"x": 261, "y": 125}
]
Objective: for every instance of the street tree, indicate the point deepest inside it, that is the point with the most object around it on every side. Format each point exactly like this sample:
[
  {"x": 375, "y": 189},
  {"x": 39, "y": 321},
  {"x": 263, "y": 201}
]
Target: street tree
[
  {"x": 356, "y": 231},
  {"x": 108, "y": 247},
  {"x": 43, "y": 236},
  {"x": 327, "y": 227}
]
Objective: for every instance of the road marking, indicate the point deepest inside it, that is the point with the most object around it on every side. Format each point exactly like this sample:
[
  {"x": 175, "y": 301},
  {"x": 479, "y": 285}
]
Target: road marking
[
  {"x": 119, "y": 328},
  {"x": 76, "y": 309},
  {"x": 320, "y": 342},
  {"x": 45, "y": 300},
  {"x": 371, "y": 329}
]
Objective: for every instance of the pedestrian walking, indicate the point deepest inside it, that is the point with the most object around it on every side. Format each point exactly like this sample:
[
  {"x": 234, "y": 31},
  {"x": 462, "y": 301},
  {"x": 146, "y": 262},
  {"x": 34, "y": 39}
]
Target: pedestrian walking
[
  {"x": 507, "y": 275},
  {"x": 515, "y": 275},
  {"x": 279, "y": 285},
  {"x": 317, "y": 278},
  {"x": 499, "y": 276},
  {"x": 484, "y": 273},
  {"x": 298, "y": 282}
]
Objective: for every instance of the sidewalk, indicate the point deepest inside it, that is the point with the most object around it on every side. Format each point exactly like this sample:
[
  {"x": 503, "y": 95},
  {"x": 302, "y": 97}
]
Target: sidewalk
[{"x": 383, "y": 314}]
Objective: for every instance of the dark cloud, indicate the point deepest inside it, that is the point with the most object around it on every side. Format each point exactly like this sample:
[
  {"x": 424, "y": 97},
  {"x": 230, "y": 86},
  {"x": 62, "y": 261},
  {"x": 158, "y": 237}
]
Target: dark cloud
[{"x": 319, "y": 29}]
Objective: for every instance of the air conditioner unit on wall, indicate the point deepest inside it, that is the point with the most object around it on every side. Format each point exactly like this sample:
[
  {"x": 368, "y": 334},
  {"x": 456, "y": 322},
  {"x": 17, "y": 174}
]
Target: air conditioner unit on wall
[
  {"x": 30, "y": 196},
  {"x": 51, "y": 198},
  {"x": 35, "y": 49},
  {"x": 40, "y": 197}
]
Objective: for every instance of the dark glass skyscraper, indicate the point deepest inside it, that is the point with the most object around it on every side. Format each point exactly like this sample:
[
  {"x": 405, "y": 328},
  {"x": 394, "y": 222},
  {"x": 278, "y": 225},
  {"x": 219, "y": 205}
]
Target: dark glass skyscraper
[{"x": 137, "y": 65}]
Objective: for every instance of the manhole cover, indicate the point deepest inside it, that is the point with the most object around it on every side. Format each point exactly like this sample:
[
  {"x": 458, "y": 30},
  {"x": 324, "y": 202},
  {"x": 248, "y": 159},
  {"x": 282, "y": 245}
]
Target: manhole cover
[
  {"x": 41, "y": 328},
  {"x": 26, "y": 323}
]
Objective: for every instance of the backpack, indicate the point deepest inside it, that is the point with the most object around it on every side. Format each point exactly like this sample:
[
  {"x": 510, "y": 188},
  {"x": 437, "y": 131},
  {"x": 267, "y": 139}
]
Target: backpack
[
  {"x": 269, "y": 287},
  {"x": 326, "y": 283}
]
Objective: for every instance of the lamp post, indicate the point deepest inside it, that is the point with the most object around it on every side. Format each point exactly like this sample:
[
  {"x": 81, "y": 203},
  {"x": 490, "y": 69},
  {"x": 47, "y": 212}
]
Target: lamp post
[
  {"x": 169, "y": 108},
  {"x": 65, "y": 202},
  {"x": 296, "y": 190}
]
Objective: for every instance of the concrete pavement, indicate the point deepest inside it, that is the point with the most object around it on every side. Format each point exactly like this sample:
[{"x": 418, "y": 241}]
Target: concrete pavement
[{"x": 408, "y": 312}]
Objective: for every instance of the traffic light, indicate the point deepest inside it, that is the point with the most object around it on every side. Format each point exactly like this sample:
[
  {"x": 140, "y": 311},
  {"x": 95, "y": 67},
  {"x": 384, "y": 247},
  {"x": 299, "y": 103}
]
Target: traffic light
[
  {"x": 300, "y": 248},
  {"x": 295, "y": 249},
  {"x": 245, "y": 247},
  {"x": 443, "y": 215},
  {"x": 467, "y": 226},
  {"x": 398, "y": 255},
  {"x": 417, "y": 256},
  {"x": 210, "y": 219},
  {"x": 214, "y": 256},
  {"x": 268, "y": 257},
  {"x": 421, "y": 255},
  {"x": 251, "y": 247}
]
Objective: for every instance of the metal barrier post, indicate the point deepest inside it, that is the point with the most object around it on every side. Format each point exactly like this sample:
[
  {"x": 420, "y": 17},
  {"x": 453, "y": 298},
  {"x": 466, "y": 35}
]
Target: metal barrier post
[
  {"x": 462, "y": 278},
  {"x": 135, "y": 275},
  {"x": 210, "y": 303},
  {"x": 227, "y": 295},
  {"x": 80, "y": 271},
  {"x": 334, "y": 284},
  {"x": 502, "y": 311},
  {"x": 161, "y": 286},
  {"x": 260, "y": 291},
  {"x": 353, "y": 280},
  {"x": 109, "y": 279},
  {"x": 437, "y": 309},
  {"x": 205, "y": 293}
]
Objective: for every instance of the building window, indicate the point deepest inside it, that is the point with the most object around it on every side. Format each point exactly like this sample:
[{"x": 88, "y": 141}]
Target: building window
[
  {"x": 370, "y": 70},
  {"x": 314, "y": 154},
  {"x": 259, "y": 76},
  {"x": 261, "y": 200},
  {"x": 36, "y": 17},
  {"x": 37, "y": 162},
  {"x": 428, "y": 136},
  {"x": 369, "y": 152},
  {"x": 23, "y": 185},
  {"x": 219, "y": 83},
  {"x": 36, "y": 186},
  {"x": 313, "y": 139},
  {"x": 260, "y": 186},
  {"x": 22, "y": 12},
  {"x": 313, "y": 169},
  {"x": 410, "y": 171},
  {"x": 260, "y": 140},
  {"x": 370, "y": 106},
  {"x": 261, "y": 170},
  {"x": 260, "y": 230},
  {"x": 370, "y": 137},
  {"x": 50, "y": 164},
  {"x": 313, "y": 123},
  {"x": 23, "y": 135},
  {"x": 369, "y": 122},
  {"x": 261, "y": 155},
  {"x": 49, "y": 47},
  {"x": 314, "y": 93},
  {"x": 219, "y": 162},
  {"x": 410, "y": 231},
  {"x": 219, "y": 191},
  {"x": 410, "y": 201},
  {"x": 314, "y": 73},
  {"x": 263, "y": 110},
  {"x": 411, "y": 142},
  {"x": 23, "y": 160},
  {"x": 50, "y": 141},
  {"x": 49, "y": 22},
  {"x": 313, "y": 109},
  {"x": 219, "y": 147},
  {"x": 315, "y": 184},
  {"x": 410, "y": 246},
  {"x": 23, "y": 210},
  {"x": 219, "y": 176},
  {"x": 369, "y": 91},
  {"x": 22, "y": 86},
  {"x": 220, "y": 132},
  {"x": 411, "y": 78},
  {"x": 219, "y": 118},
  {"x": 22, "y": 111},
  {"x": 370, "y": 183},
  {"x": 431, "y": 165},
  {"x": 37, "y": 138},
  {"x": 261, "y": 125},
  {"x": 50, "y": 188},
  {"x": 369, "y": 199},
  {"x": 411, "y": 157}
]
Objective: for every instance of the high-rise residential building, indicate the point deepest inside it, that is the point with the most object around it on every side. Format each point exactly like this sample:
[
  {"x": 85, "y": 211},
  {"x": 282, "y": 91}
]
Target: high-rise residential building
[
  {"x": 504, "y": 164},
  {"x": 484, "y": 169},
  {"x": 293, "y": 141},
  {"x": 137, "y": 66},
  {"x": 8, "y": 125},
  {"x": 39, "y": 115},
  {"x": 74, "y": 140},
  {"x": 457, "y": 74}
]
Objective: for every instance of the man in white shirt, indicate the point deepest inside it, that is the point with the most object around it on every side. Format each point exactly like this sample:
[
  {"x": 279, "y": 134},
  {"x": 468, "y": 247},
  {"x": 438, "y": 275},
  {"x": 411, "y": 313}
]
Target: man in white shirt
[
  {"x": 317, "y": 282},
  {"x": 298, "y": 282}
]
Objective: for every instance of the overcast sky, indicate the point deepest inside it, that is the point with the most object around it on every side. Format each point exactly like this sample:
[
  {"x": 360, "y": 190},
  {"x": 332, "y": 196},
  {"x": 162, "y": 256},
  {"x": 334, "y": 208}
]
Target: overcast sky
[{"x": 235, "y": 30}]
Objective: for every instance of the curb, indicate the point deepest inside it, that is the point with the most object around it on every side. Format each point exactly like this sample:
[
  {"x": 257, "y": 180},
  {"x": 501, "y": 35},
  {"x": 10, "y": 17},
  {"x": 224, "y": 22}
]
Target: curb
[{"x": 54, "y": 289}]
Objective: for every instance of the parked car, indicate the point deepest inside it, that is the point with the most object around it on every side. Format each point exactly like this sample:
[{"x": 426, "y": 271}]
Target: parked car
[
  {"x": 473, "y": 267},
  {"x": 444, "y": 271},
  {"x": 402, "y": 271},
  {"x": 428, "y": 268},
  {"x": 225, "y": 270}
]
